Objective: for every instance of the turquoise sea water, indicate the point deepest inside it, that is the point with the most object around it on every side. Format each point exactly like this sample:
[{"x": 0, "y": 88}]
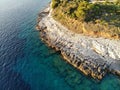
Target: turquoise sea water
[{"x": 26, "y": 63}]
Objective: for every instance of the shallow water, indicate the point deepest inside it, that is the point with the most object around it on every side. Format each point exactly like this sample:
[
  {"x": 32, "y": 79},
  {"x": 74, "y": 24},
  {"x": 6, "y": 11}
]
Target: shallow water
[{"x": 26, "y": 63}]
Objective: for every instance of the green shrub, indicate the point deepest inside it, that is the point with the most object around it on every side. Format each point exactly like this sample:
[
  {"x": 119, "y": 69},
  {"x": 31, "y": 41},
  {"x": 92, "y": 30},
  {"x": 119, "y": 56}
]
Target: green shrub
[
  {"x": 72, "y": 13},
  {"x": 55, "y": 3}
]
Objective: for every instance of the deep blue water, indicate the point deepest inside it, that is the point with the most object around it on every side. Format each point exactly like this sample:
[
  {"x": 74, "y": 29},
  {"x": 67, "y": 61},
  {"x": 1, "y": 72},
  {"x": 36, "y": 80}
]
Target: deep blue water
[{"x": 26, "y": 63}]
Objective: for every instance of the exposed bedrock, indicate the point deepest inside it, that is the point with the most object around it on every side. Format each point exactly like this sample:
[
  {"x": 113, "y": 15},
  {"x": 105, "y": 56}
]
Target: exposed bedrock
[{"x": 93, "y": 56}]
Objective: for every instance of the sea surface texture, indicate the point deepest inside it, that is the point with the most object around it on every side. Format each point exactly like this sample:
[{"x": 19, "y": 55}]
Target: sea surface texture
[{"x": 26, "y": 63}]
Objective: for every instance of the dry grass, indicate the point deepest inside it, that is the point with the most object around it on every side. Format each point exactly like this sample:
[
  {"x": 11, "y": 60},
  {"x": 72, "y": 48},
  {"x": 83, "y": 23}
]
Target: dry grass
[{"x": 91, "y": 29}]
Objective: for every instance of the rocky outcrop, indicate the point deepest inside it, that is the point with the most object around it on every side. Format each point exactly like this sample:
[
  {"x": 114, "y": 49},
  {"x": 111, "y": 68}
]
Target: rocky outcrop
[{"x": 93, "y": 56}]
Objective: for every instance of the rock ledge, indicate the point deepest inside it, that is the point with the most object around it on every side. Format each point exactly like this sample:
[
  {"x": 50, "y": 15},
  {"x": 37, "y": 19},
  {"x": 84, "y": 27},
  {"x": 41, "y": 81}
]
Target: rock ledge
[{"x": 93, "y": 56}]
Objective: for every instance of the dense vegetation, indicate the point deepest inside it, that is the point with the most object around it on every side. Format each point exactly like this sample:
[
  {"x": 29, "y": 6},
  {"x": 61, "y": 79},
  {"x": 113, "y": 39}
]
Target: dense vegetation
[{"x": 97, "y": 18}]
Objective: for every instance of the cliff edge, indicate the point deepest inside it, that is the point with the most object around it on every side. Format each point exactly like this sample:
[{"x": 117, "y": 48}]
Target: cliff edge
[{"x": 93, "y": 56}]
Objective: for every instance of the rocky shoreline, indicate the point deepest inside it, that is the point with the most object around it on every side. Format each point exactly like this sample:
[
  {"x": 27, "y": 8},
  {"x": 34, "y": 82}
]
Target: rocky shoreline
[{"x": 93, "y": 56}]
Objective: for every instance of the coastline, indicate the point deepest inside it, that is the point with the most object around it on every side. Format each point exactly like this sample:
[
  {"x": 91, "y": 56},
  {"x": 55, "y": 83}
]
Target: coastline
[{"x": 89, "y": 55}]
